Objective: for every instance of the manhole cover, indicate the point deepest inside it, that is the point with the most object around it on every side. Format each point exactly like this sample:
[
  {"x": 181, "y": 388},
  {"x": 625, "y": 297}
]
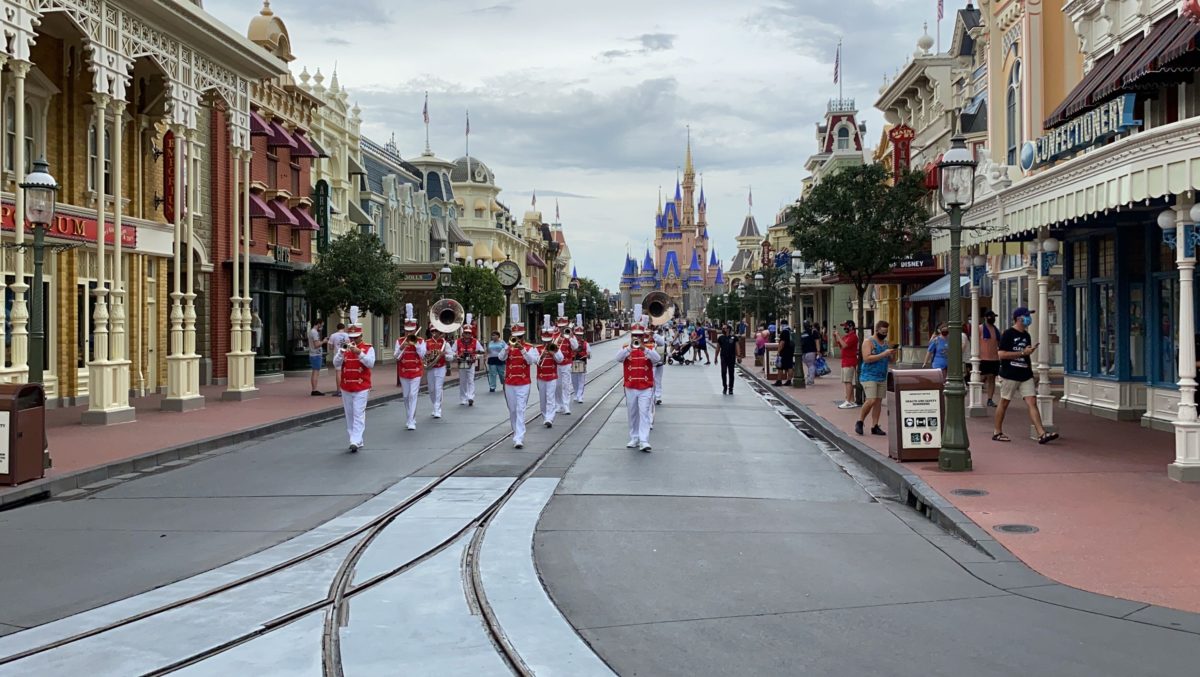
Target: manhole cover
[
  {"x": 969, "y": 492},
  {"x": 1016, "y": 528}
]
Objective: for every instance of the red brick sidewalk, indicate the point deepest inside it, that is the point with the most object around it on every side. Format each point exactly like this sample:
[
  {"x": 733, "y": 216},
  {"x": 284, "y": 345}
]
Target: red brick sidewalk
[{"x": 1109, "y": 519}]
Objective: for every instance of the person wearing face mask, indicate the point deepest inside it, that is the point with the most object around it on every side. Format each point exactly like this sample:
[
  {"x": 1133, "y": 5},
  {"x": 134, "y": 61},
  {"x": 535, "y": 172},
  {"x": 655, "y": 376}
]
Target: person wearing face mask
[
  {"x": 1016, "y": 375},
  {"x": 939, "y": 349},
  {"x": 876, "y": 355}
]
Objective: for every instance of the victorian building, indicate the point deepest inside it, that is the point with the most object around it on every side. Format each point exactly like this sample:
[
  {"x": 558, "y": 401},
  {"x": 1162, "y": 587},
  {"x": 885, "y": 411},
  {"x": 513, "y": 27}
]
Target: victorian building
[{"x": 136, "y": 106}]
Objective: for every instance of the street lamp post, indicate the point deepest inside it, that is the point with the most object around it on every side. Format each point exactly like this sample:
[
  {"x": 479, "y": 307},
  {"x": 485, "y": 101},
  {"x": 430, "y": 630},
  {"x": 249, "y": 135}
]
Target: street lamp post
[
  {"x": 758, "y": 290},
  {"x": 798, "y": 378},
  {"x": 39, "y": 187},
  {"x": 956, "y": 194},
  {"x": 975, "y": 404}
]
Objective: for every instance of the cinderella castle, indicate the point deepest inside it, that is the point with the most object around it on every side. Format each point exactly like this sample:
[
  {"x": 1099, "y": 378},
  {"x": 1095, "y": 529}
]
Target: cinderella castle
[{"x": 682, "y": 264}]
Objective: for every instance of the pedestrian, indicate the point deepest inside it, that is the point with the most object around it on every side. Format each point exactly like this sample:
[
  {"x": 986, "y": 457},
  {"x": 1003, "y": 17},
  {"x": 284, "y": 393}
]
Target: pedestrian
[
  {"x": 760, "y": 344},
  {"x": 443, "y": 351},
  {"x": 579, "y": 366},
  {"x": 355, "y": 360},
  {"x": 518, "y": 357},
  {"x": 468, "y": 350},
  {"x": 494, "y": 363},
  {"x": 939, "y": 350},
  {"x": 849, "y": 345},
  {"x": 1016, "y": 375},
  {"x": 567, "y": 345},
  {"x": 638, "y": 359},
  {"x": 549, "y": 357},
  {"x": 410, "y": 366},
  {"x": 989, "y": 356},
  {"x": 316, "y": 354},
  {"x": 876, "y": 354},
  {"x": 787, "y": 357},
  {"x": 810, "y": 344},
  {"x": 702, "y": 345},
  {"x": 727, "y": 357},
  {"x": 336, "y": 340}
]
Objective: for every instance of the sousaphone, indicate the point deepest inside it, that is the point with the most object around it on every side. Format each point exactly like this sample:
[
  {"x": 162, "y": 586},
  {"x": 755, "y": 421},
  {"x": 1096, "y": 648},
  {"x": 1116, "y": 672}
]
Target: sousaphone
[
  {"x": 659, "y": 308},
  {"x": 447, "y": 317}
]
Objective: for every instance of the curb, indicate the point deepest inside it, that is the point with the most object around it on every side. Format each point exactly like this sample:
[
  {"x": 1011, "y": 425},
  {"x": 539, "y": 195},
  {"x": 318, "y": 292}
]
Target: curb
[
  {"x": 1006, "y": 571},
  {"x": 88, "y": 478}
]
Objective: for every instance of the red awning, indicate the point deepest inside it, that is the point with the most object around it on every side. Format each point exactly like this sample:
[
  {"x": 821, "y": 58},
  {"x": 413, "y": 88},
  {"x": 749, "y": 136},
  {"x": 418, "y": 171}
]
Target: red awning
[
  {"x": 1184, "y": 43},
  {"x": 258, "y": 125},
  {"x": 534, "y": 260},
  {"x": 283, "y": 214},
  {"x": 280, "y": 137},
  {"x": 307, "y": 222},
  {"x": 304, "y": 147},
  {"x": 1173, "y": 27},
  {"x": 1134, "y": 53},
  {"x": 259, "y": 209}
]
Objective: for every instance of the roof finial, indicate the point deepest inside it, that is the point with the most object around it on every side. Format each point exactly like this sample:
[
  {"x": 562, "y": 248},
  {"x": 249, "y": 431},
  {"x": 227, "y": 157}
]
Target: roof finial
[
  {"x": 266, "y": 8},
  {"x": 688, "y": 169}
]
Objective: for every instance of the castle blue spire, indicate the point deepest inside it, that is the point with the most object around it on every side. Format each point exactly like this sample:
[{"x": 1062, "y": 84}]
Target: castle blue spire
[
  {"x": 712, "y": 257},
  {"x": 648, "y": 263},
  {"x": 678, "y": 193},
  {"x": 573, "y": 273},
  {"x": 695, "y": 265},
  {"x": 720, "y": 276}
]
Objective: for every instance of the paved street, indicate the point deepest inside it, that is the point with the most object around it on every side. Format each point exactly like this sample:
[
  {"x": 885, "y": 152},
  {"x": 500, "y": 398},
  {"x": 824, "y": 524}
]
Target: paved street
[{"x": 737, "y": 546}]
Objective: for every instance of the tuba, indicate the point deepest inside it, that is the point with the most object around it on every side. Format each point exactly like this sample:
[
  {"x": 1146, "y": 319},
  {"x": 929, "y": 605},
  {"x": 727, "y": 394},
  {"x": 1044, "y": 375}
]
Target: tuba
[
  {"x": 659, "y": 308},
  {"x": 447, "y": 317}
]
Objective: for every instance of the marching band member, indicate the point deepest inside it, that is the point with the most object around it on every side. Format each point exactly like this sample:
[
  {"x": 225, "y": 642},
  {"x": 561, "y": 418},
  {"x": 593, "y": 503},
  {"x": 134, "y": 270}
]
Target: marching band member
[
  {"x": 518, "y": 357},
  {"x": 468, "y": 349},
  {"x": 660, "y": 341},
  {"x": 579, "y": 366},
  {"x": 355, "y": 360},
  {"x": 568, "y": 345},
  {"x": 639, "y": 358},
  {"x": 549, "y": 357},
  {"x": 410, "y": 364},
  {"x": 437, "y": 370}
]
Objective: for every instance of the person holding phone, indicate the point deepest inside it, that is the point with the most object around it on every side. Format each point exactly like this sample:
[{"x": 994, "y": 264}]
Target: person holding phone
[
  {"x": 1016, "y": 375},
  {"x": 876, "y": 355}
]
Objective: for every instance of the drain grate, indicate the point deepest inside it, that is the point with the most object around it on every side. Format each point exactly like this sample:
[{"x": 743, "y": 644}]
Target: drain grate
[
  {"x": 969, "y": 492},
  {"x": 1015, "y": 528}
]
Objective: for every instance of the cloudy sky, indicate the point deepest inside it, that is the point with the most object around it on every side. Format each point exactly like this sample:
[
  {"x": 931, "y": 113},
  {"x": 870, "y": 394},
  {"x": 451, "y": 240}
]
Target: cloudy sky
[{"x": 589, "y": 101}]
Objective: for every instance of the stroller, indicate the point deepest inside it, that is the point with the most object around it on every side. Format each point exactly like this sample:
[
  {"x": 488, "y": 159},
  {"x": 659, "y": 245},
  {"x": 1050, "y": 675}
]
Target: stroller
[{"x": 680, "y": 356}]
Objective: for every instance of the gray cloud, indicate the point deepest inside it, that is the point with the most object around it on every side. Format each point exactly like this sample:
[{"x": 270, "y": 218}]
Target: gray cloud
[
  {"x": 502, "y": 8},
  {"x": 341, "y": 42},
  {"x": 650, "y": 42},
  {"x": 551, "y": 193}
]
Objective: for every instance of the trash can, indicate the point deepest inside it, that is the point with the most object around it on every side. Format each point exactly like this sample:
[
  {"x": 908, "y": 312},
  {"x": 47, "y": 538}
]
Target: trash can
[
  {"x": 771, "y": 371},
  {"x": 22, "y": 432},
  {"x": 915, "y": 433}
]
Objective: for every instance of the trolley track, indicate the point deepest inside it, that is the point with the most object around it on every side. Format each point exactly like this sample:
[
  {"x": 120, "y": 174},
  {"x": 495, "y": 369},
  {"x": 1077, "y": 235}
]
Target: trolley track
[{"x": 341, "y": 588}]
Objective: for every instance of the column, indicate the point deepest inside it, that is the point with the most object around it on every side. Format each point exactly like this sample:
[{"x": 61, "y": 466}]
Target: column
[
  {"x": 976, "y": 406},
  {"x": 241, "y": 371},
  {"x": 247, "y": 316},
  {"x": 100, "y": 385},
  {"x": 182, "y": 393},
  {"x": 118, "y": 352},
  {"x": 20, "y": 310},
  {"x": 3, "y": 255},
  {"x": 1186, "y": 467},
  {"x": 1045, "y": 394}
]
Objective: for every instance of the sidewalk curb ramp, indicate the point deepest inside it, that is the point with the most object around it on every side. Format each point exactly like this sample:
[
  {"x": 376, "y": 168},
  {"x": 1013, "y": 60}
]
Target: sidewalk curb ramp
[{"x": 1017, "y": 578}]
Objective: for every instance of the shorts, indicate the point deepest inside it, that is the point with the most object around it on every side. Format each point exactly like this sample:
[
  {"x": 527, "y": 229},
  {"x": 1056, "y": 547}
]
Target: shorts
[
  {"x": 874, "y": 390},
  {"x": 989, "y": 367},
  {"x": 316, "y": 362},
  {"x": 1010, "y": 390},
  {"x": 848, "y": 374}
]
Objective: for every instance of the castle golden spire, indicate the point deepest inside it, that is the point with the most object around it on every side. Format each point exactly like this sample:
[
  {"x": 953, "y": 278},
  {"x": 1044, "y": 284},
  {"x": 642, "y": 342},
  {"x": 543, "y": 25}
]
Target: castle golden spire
[{"x": 688, "y": 169}]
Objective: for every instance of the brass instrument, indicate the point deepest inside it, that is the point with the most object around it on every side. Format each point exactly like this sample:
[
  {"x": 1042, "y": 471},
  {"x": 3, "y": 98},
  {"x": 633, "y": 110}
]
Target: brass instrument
[
  {"x": 447, "y": 317},
  {"x": 515, "y": 341},
  {"x": 411, "y": 339},
  {"x": 659, "y": 308},
  {"x": 636, "y": 342}
]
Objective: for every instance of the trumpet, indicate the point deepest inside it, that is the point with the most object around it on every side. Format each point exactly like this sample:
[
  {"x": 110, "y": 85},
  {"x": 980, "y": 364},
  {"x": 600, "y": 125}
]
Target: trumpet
[
  {"x": 636, "y": 342},
  {"x": 515, "y": 341},
  {"x": 411, "y": 339}
]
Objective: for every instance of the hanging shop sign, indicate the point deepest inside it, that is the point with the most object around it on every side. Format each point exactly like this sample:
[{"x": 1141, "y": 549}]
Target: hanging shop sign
[
  {"x": 168, "y": 150},
  {"x": 71, "y": 227},
  {"x": 320, "y": 210},
  {"x": 901, "y": 137},
  {"x": 1095, "y": 126}
]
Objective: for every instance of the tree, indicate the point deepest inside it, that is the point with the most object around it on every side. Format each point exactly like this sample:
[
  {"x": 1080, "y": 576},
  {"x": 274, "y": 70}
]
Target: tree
[
  {"x": 598, "y": 302},
  {"x": 478, "y": 290},
  {"x": 857, "y": 225},
  {"x": 357, "y": 270},
  {"x": 723, "y": 308},
  {"x": 768, "y": 296}
]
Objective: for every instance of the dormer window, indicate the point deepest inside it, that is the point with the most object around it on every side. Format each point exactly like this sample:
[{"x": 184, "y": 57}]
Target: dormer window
[{"x": 843, "y": 139}]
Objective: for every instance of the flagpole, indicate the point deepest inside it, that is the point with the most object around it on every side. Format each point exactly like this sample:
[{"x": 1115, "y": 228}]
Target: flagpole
[
  {"x": 468, "y": 144},
  {"x": 426, "y": 115},
  {"x": 840, "y": 78}
]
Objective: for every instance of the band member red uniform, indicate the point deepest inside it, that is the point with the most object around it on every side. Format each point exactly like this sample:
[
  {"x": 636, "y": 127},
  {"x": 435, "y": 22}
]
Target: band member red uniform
[
  {"x": 410, "y": 365},
  {"x": 549, "y": 357},
  {"x": 437, "y": 343},
  {"x": 518, "y": 358},
  {"x": 579, "y": 365},
  {"x": 355, "y": 359},
  {"x": 639, "y": 358},
  {"x": 468, "y": 350}
]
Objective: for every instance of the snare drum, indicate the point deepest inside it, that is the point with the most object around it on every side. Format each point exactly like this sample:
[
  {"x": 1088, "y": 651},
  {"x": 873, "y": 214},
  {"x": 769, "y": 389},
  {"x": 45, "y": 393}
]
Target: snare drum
[{"x": 579, "y": 367}]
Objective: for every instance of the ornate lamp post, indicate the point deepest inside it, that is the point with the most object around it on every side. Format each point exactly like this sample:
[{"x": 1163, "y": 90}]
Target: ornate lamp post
[
  {"x": 975, "y": 404},
  {"x": 956, "y": 194},
  {"x": 758, "y": 290},
  {"x": 444, "y": 274},
  {"x": 39, "y": 187},
  {"x": 798, "y": 377}
]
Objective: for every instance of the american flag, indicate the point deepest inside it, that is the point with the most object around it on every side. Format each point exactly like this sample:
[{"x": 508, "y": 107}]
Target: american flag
[
  {"x": 941, "y": 9},
  {"x": 557, "y": 218},
  {"x": 535, "y": 199},
  {"x": 425, "y": 112},
  {"x": 837, "y": 63},
  {"x": 468, "y": 123}
]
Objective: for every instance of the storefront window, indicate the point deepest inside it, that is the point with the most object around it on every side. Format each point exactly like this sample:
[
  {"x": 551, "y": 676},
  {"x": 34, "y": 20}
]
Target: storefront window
[
  {"x": 1167, "y": 369},
  {"x": 1106, "y": 320},
  {"x": 85, "y": 301},
  {"x": 1137, "y": 332},
  {"x": 1082, "y": 343}
]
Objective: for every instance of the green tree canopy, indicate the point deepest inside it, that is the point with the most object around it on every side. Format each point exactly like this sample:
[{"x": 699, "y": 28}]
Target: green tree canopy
[
  {"x": 723, "y": 307},
  {"x": 356, "y": 269},
  {"x": 770, "y": 298},
  {"x": 597, "y": 302},
  {"x": 478, "y": 290}
]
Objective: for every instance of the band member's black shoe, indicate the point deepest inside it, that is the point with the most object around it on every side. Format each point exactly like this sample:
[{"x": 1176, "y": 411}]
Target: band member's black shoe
[{"x": 353, "y": 448}]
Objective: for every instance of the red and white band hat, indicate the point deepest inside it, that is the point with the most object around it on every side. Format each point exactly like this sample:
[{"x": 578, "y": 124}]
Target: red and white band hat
[{"x": 518, "y": 329}]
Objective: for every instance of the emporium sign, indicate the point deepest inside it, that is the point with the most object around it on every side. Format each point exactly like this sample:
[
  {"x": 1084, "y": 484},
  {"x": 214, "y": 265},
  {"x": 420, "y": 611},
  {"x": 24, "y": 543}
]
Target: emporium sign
[
  {"x": 69, "y": 227},
  {"x": 1089, "y": 129}
]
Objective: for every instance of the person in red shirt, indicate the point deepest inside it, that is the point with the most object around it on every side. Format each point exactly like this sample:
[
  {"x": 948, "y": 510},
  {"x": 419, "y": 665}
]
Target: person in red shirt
[
  {"x": 568, "y": 345},
  {"x": 468, "y": 349},
  {"x": 410, "y": 365},
  {"x": 550, "y": 355},
  {"x": 355, "y": 359},
  {"x": 638, "y": 363},
  {"x": 849, "y": 342},
  {"x": 437, "y": 372},
  {"x": 518, "y": 356},
  {"x": 579, "y": 366}
]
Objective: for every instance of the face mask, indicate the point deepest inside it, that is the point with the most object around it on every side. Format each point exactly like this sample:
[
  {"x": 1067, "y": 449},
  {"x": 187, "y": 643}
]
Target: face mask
[
  {"x": 881, "y": 335},
  {"x": 1027, "y": 320},
  {"x": 945, "y": 332}
]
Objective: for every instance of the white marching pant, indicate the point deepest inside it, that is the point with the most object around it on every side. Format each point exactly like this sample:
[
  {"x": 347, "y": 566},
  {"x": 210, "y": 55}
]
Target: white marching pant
[
  {"x": 638, "y": 406},
  {"x": 355, "y": 406},
  {"x": 658, "y": 381},
  {"x": 437, "y": 380},
  {"x": 411, "y": 386},
  {"x": 564, "y": 387},
  {"x": 517, "y": 398},
  {"x": 466, "y": 384},
  {"x": 548, "y": 399},
  {"x": 579, "y": 381}
]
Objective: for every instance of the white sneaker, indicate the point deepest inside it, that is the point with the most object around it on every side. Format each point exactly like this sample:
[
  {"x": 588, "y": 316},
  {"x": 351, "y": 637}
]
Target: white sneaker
[
  {"x": 646, "y": 446},
  {"x": 412, "y": 426},
  {"x": 518, "y": 445},
  {"x": 632, "y": 444},
  {"x": 847, "y": 405}
]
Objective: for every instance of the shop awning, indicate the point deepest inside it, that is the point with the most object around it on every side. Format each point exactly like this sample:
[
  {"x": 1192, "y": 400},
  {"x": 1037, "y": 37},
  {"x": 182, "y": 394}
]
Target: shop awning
[
  {"x": 355, "y": 168},
  {"x": 1077, "y": 100},
  {"x": 437, "y": 231},
  {"x": 283, "y": 214},
  {"x": 304, "y": 147},
  {"x": 259, "y": 209},
  {"x": 357, "y": 216},
  {"x": 457, "y": 236},
  {"x": 534, "y": 260},
  {"x": 280, "y": 137},
  {"x": 307, "y": 222},
  {"x": 939, "y": 291},
  {"x": 258, "y": 125},
  {"x": 497, "y": 253}
]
